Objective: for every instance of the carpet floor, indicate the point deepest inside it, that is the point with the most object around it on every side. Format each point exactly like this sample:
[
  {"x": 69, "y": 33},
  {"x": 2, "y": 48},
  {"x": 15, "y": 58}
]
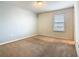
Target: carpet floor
[{"x": 39, "y": 46}]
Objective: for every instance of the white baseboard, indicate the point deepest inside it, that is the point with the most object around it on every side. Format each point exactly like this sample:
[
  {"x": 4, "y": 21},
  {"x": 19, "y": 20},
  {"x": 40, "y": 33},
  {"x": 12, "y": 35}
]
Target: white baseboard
[{"x": 17, "y": 39}]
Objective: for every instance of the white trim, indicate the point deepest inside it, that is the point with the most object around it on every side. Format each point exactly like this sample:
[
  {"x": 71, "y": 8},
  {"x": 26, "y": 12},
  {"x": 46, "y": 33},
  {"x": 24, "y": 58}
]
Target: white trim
[{"x": 17, "y": 39}]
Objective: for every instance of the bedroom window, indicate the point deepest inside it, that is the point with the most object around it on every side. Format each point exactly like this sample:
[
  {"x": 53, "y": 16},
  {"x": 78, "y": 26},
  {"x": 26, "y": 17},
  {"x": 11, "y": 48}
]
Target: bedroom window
[{"x": 59, "y": 22}]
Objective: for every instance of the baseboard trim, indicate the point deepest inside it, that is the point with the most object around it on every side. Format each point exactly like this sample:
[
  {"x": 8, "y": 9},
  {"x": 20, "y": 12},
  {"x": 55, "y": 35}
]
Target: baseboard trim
[
  {"x": 17, "y": 39},
  {"x": 57, "y": 37}
]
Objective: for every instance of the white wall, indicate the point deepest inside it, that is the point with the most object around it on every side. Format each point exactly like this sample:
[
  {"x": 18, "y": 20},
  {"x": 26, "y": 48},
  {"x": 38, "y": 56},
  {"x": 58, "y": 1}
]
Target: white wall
[
  {"x": 76, "y": 32},
  {"x": 16, "y": 22}
]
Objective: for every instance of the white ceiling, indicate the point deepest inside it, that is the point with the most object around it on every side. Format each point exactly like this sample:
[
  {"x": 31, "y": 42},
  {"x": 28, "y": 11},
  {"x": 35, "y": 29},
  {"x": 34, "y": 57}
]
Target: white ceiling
[{"x": 51, "y": 5}]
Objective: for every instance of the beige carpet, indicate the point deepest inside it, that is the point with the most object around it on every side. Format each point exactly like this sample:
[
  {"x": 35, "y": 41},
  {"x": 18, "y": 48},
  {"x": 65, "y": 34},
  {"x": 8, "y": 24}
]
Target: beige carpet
[{"x": 39, "y": 46}]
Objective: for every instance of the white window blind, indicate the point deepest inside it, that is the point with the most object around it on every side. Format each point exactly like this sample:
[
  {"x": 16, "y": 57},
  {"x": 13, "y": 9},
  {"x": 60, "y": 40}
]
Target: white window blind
[{"x": 59, "y": 22}]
